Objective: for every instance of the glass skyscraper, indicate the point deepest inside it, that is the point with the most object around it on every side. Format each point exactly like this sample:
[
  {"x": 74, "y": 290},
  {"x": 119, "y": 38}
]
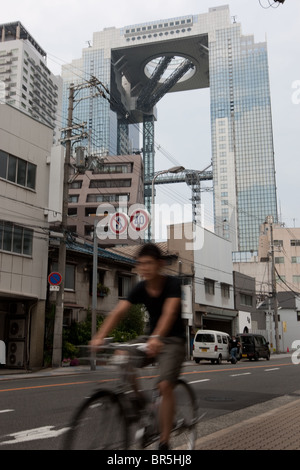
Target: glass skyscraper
[
  {"x": 242, "y": 138},
  {"x": 140, "y": 63}
]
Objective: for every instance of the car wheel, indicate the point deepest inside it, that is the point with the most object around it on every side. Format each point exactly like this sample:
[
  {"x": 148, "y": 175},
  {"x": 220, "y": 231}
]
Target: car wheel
[{"x": 197, "y": 360}]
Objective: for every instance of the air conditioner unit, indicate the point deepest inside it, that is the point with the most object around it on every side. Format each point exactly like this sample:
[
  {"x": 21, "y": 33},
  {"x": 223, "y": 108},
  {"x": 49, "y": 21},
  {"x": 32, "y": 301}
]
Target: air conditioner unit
[
  {"x": 15, "y": 354},
  {"x": 16, "y": 328}
]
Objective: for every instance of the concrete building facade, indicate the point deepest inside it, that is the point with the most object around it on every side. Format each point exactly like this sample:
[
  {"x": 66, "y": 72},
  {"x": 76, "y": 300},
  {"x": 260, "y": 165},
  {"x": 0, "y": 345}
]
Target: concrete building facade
[
  {"x": 114, "y": 185},
  {"x": 25, "y": 149},
  {"x": 27, "y": 83}
]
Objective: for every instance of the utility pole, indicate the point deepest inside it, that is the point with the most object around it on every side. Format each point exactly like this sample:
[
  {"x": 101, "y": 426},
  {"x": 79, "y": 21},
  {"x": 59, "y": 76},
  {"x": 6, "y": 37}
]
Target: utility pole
[
  {"x": 59, "y": 311},
  {"x": 274, "y": 289}
]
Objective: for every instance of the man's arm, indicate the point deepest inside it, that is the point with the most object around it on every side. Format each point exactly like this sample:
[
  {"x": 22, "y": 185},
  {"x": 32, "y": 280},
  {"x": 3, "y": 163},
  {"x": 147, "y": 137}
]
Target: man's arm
[{"x": 110, "y": 322}]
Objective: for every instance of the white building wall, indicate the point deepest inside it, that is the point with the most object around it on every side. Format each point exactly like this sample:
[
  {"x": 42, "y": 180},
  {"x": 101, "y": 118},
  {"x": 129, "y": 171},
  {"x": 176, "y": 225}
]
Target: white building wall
[
  {"x": 213, "y": 261},
  {"x": 29, "y": 140}
]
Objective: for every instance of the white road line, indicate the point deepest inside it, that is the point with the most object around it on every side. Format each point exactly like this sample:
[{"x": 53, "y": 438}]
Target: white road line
[
  {"x": 33, "y": 434},
  {"x": 6, "y": 411},
  {"x": 273, "y": 368},
  {"x": 198, "y": 381},
  {"x": 237, "y": 375}
]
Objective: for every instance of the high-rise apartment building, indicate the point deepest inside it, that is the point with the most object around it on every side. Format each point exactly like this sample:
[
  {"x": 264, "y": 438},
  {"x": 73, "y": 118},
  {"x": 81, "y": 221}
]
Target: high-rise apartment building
[
  {"x": 242, "y": 138},
  {"x": 113, "y": 185},
  {"x": 139, "y": 64},
  {"x": 25, "y": 80}
]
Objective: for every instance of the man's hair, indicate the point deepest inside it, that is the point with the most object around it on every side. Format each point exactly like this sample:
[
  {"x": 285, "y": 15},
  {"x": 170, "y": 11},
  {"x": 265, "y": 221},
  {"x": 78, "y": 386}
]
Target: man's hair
[{"x": 149, "y": 249}]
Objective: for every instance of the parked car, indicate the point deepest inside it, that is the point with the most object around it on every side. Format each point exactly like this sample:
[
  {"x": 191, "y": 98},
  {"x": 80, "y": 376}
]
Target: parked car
[
  {"x": 254, "y": 346},
  {"x": 211, "y": 345}
]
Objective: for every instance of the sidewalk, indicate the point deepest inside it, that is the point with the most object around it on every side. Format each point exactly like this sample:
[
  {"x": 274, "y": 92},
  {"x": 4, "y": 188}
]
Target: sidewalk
[
  {"x": 277, "y": 429},
  {"x": 272, "y": 425}
]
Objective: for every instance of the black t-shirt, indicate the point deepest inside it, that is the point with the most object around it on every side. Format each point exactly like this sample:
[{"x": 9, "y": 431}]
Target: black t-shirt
[
  {"x": 154, "y": 305},
  {"x": 233, "y": 343}
]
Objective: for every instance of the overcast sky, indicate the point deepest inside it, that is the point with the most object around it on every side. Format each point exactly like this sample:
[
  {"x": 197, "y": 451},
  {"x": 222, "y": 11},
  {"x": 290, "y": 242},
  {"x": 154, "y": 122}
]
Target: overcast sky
[{"x": 63, "y": 27}]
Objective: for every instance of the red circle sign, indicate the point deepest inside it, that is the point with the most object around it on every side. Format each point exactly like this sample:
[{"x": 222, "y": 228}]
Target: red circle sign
[
  {"x": 54, "y": 279},
  {"x": 139, "y": 220},
  {"x": 119, "y": 223}
]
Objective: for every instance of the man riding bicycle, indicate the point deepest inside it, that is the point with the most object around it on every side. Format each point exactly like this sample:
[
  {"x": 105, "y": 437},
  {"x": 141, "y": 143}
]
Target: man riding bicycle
[{"x": 161, "y": 295}]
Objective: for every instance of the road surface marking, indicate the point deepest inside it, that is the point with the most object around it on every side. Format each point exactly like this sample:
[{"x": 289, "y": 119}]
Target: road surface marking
[
  {"x": 197, "y": 381},
  {"x": 33, "y": 434},
  {"x": 274, "y": 368},
  {"x": 237, "y": 375},
  {"x": 5, "y": 411}
]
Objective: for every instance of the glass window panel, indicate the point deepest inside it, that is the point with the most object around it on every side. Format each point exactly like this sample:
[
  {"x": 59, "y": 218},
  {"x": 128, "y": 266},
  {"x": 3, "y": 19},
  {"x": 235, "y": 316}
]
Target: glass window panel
[
  {"x": 1, "y": 234},
  {"x": 3, "y": 164},
  {"x": 27, "y": 242},
  {"x": 31, "y": 176},
  {"x": 17, "y": 239},
  {"x": 21, "y": 177},
  {"x": 12, "y": 168},
  {"x": 7, "y": 236},
  {"x": 70, "y": 277}
]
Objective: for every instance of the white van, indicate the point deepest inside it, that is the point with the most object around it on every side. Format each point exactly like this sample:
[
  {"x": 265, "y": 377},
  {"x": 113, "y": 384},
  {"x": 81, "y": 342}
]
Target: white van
[{"x": 211, "y": 345}]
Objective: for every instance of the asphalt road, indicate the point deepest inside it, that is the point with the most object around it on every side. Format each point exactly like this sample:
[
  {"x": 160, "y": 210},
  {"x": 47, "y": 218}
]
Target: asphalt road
[{"x": 35, "y": 411}]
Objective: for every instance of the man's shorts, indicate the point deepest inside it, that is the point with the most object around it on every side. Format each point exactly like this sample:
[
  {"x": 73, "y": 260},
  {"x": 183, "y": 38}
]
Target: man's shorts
[{"x": 169, "y": 360}]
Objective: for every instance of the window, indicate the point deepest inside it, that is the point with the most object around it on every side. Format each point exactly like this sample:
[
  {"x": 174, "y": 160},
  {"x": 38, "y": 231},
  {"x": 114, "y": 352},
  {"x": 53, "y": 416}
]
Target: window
[
  {"x": 296, "y": 279},
  {"x": 279, "y": 260},
  {"x": 295, "y": 242},
  {"x": 15, "y": 238},
  {"x": 296, "y": 259},
  {"x": 225, "y": 290},
  {"x": 107, "y": 197},
  {"x": 17, "y": 171},
  {"x": 72, "y": 211},
  {"x": 69, "y": 275},
  {"x": 205, "y": 338},
  {"x": 76, "y": 185},
  {"x": 246, "y": 299},
  {"x": 110, "y": 183},
  {"x": 124, "y": 285},
  {"x": 209, "y": 285}
]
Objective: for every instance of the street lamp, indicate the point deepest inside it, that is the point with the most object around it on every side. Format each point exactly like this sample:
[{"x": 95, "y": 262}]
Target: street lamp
[{"x": 174, "y": 169}]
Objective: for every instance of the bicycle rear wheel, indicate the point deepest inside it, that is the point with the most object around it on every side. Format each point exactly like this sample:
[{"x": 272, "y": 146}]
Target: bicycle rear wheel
[
  {"x": 184, "y": 431},
  {"x": 100, "y": 423}
]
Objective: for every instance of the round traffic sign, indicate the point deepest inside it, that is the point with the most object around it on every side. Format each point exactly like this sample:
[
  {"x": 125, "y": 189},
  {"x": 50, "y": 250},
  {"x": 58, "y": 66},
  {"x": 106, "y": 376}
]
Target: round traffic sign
[
  {"x": 139, "y": 220},
  {"x": 54, "y": 279},
  {"x": 119, "y": 223}
]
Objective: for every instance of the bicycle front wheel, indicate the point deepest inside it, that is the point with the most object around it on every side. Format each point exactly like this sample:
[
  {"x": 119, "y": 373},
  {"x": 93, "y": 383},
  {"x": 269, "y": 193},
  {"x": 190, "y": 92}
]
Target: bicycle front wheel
[
  {"x": 100, "y": 423},
  {"x": 184, "y": 431}
]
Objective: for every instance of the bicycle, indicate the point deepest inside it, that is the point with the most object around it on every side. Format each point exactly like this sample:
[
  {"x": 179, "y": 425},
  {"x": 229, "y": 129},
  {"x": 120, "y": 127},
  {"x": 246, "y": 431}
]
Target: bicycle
[{"x": 115, "y": 419}]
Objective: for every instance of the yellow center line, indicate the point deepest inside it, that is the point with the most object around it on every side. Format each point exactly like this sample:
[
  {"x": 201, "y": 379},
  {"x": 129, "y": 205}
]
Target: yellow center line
[
  {"x": 56, "y": 385},
  {"x": 33, "y": 387}
]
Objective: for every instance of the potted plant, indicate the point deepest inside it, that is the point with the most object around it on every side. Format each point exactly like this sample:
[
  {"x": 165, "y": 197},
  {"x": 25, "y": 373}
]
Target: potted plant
[
  {"x": 102, "y": 290},
  {"x": 66, "y": 362}
]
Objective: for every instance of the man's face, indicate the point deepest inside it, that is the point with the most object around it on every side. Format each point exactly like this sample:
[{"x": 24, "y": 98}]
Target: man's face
[{"x": 148, "y": 267}]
